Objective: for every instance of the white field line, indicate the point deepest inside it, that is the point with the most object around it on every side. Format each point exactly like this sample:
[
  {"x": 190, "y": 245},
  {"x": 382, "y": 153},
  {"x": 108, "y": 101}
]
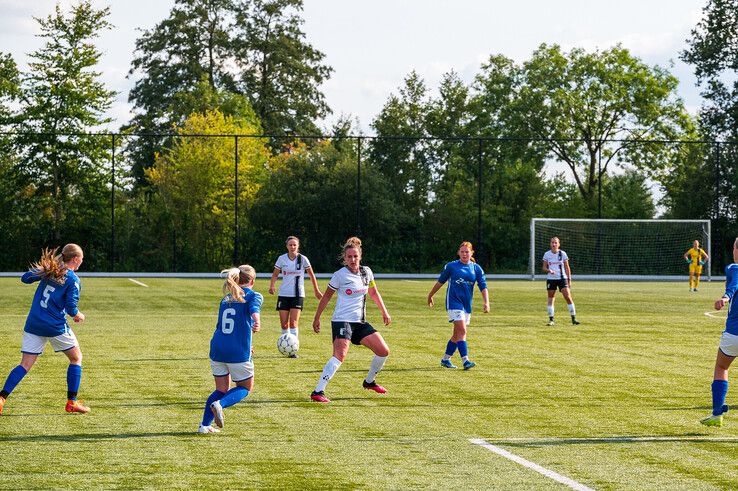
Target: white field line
[
  {"x": 615, "y": 439},
  {"x": 712, "y": 314},
  {"x": 138, "y": 282},
  {"x": 532, "y": 465}
]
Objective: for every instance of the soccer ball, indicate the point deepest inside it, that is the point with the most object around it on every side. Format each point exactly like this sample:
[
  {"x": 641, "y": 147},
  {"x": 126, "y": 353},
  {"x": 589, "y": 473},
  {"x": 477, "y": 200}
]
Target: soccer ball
[{"x": 288, "y": 344}]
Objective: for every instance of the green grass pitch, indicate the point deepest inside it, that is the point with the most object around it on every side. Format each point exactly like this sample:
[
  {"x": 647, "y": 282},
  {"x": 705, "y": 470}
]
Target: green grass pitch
[{"x": 613, "y": 404}]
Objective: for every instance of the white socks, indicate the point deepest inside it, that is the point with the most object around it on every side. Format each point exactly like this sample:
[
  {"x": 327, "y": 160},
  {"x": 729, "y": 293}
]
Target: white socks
[
  {"x": 293, "y": 331},
  {"x": 374, "y": 368},
  {"x": 550, "y": 310},
  {"x": 329, "y": 371},
  {"x": 572, "y": 310}
]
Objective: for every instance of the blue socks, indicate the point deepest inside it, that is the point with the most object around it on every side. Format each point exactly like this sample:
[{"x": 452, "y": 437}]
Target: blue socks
[
  {"x": 463, "y": 349},
  {"x": 450, "y": 349},
  {"x": 74, "y": 376},
  {"x": 233, "y": 396},
  {"x": 719, "y": 391},
  {"x": 14, "y": 378},
  {"x": 207, "y": 416}
]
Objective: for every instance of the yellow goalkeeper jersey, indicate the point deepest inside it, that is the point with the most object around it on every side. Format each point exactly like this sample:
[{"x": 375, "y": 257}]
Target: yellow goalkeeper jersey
[{"x": 696, "y": 255}]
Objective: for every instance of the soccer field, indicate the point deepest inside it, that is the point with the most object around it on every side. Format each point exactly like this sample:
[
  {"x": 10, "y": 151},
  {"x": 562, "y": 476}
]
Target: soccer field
[{"x": 613, "y": 403}]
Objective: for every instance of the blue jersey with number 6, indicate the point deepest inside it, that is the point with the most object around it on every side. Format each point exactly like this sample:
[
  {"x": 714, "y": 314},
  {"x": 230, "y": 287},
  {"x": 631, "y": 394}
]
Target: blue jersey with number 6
[
  {"x": 51, "y": 303},
  {"x": 231, "y": 341}
]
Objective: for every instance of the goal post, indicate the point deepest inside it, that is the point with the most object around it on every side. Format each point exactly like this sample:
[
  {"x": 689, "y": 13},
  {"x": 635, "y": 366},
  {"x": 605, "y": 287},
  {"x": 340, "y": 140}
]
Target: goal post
[{"x": 618, "y": 248}]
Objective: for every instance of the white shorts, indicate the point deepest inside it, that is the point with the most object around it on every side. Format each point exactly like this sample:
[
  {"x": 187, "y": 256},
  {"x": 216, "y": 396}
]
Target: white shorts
[
  {"x": 34, "y": 344},
  {"x": 729, "y": 344},
  {"x": 238, "y": 371},
  {"x": 459, "y": 315}
]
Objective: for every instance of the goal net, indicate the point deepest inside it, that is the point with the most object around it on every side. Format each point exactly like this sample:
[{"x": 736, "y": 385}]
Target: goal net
[{"x": 602, "y": 248}]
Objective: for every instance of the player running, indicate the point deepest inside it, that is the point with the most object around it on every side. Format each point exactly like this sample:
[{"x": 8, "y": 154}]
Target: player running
[
  {"x": 230, "y": 347},
  {"x": 696, "y": 257},
  {"x": 728, "y": 349},
  {"x": 352, "y": 283},
  {"x": 556, "y": 265},
  {"x": 461, "y": 276},
  {"x": 57, "y": 296},
  {"x": 291, "y": 295}
]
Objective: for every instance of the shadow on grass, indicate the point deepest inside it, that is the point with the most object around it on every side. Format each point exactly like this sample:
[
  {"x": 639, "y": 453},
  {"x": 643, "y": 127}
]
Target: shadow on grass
[
  {"x": 693, "y": 408},
  {"x": 417, "y": 369},
  {"x": 138, "y": 360},
  {"x": 94, "y": 437}
]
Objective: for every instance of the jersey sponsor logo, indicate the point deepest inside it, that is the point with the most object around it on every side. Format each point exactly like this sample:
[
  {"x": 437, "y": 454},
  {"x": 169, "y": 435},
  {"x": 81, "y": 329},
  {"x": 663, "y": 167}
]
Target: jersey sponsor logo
[
  {"x": 359, "y": 291},
  {"x": 462, "y": 281}
]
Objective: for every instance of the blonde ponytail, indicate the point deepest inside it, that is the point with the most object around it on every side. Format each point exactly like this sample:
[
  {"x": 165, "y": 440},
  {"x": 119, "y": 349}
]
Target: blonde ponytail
[
  {"x": 52, "y": 266},
  {"x": 234, "y": 278},
  {"x": 351, "y": 243}
]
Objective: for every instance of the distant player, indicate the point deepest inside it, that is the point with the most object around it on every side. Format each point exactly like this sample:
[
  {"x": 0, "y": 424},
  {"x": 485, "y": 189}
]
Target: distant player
[
  {"x": 696, "y": 257},
  {"x": 56, "y": 297},
  {"x": 352, "y": 283},
  {"x": 230, "y": 346},
  {"x": 556, "y": 265},
  {"x": 461, "y": 276},
  {"x": 291, "y": 296},
  {"x": 728, "y": 349}
]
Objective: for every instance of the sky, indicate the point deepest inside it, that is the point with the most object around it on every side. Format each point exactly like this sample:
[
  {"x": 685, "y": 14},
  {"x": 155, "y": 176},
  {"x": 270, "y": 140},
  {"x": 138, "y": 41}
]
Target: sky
[{"x": 373, "y": 45}]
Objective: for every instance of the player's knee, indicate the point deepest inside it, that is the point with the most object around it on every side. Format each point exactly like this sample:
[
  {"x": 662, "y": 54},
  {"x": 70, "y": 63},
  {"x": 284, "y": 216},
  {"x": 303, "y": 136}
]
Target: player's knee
[{"x": 382, "y": 351}]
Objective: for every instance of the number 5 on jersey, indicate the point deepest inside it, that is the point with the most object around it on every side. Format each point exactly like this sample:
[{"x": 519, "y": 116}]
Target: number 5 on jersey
[{"x": 47, "y": 293}]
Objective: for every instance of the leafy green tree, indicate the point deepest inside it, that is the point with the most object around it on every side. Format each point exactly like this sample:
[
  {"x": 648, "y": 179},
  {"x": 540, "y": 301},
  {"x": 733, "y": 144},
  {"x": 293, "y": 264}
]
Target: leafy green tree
[
  {"x": 195, "y": 184},
  {"x": 253, "y": 49},
  {"x": 63, "y": 175},
  {"x": 316, "y": 187},
  {"x": 405, "y": 162},
  {"x": 279, "y": 71},
  {"x": 579, "y": 100}
]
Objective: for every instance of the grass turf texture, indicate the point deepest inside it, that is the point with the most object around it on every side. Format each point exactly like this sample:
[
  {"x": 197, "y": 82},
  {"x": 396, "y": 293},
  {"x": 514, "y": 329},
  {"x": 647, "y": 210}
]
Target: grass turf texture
[{"x": 640, "y": 365}]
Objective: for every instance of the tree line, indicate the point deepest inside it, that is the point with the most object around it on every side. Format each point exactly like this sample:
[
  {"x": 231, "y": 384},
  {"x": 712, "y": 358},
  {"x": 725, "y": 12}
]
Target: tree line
[{"x": 474, "y": 163}]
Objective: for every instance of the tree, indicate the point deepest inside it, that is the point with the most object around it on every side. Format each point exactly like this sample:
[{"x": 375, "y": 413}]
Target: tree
[
  {"x": 249, "y": 48},
  {"x": 195, "y": 184},
  {"x": 316, "y": 188},
  {"x": 404, "y": 161},
  {"x": 65, "y": 174},
  {"x": 279, "y": 72},
  {"x": 713, "y": 50},
  {"x": 578, "y": 100}
]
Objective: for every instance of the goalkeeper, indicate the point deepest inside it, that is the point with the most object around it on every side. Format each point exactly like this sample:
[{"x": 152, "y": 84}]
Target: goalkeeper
[{"x": 696, "y": 257}]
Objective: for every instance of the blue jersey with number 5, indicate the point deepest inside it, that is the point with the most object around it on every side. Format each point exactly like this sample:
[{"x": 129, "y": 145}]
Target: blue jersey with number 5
[
  {"x": 231, "y": 342},
  {"x": 51, "y": 303}
]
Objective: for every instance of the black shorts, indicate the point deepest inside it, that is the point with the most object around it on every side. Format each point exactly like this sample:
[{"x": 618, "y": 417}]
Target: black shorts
[
  {"x": 287, "y": 303},
  {"x": 560, "y": 284},
  {"x": 355, "y": 331}
]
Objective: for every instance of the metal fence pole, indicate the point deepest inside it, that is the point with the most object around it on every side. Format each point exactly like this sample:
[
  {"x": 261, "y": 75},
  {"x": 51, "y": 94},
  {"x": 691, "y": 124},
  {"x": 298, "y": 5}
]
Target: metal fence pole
[
  {"x": 479, "y": 197},
  {"x": 235, "y": 186},
  {"x": 112, "y": 203},
  {"x": 358, "y": 186}
]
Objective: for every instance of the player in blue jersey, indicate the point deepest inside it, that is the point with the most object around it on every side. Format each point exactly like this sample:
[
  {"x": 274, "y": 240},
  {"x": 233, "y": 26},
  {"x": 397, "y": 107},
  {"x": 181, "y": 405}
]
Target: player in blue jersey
[
  {"x": 230, "y": 346},
  {"x": 728, "y": 349},
  {"x": 461, "y": 276},
  {"x": 56, "y": 297}
]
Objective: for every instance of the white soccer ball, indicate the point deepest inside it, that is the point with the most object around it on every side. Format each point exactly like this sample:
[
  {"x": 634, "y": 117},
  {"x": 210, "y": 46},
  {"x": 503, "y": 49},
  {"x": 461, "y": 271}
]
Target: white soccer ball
[{"x": 288, "y": 344}]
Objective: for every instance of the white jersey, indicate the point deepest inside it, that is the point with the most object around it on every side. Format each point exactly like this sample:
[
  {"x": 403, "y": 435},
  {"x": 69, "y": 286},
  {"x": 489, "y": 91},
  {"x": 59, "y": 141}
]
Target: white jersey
[
  {"x": 556, "y": 264},
  {"x": 352, "y": 289},
  {"x": 293, "y": 275}
]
